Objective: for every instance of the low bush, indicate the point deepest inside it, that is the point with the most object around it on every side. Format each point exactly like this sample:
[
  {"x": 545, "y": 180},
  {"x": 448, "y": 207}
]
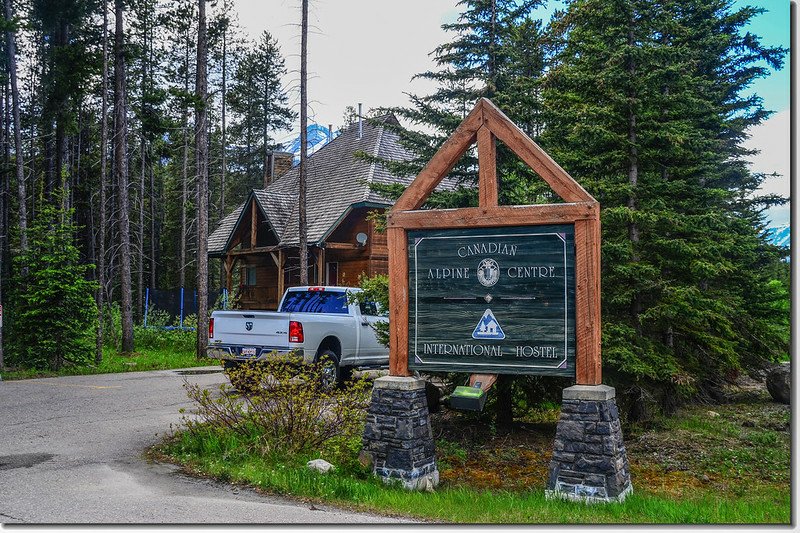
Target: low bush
[
  {"x": 286, "y": 408},
  {"x": 176, "y": 340}
]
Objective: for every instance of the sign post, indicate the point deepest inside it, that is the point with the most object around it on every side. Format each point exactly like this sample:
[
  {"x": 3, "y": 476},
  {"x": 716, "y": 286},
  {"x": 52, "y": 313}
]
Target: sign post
[{"x": 500, "y": 290}]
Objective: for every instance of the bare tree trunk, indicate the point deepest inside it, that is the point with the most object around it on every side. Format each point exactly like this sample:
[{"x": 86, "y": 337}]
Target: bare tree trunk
[
  {"x": 6, "y": 270},
  {"x": 504, "y": 408},
  {"x": 4, "y": 194},
  {"x": 633, "y": 178},
  {"x": 201, "y": 158},
  {"x": 62, "y": 180},
  {"x": 185, "y": 176},
  {"x": 142, "y": 176},
  {"x": 153, "y": 232},
  {"x": 154, "y": 239},
  {"x": 11, "y": 51},
  {"x": 121, "y": 164},
  {"x": 34, "y": 171},
  {"x": 101, "y": 254},
  {"x": 303, "y": 226},
  {"x": 223, "y": 170}
]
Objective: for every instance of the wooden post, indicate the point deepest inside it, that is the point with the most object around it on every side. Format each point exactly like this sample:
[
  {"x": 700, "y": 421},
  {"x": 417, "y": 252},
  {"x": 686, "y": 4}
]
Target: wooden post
[
  {"x": 588, "y": 367},
  {"x": 320, "y": 266},
  {"x": 281, "y": 282},
  {"x": 398, "y": 301},
  {"x": 487, "y": 168},
  {"x": 253, "y": 225},
  {"x": 229, "y": 273}
]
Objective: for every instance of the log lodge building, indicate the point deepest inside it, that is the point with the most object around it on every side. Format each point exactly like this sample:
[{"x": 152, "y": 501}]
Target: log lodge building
[{"x": 260, "y": 238}]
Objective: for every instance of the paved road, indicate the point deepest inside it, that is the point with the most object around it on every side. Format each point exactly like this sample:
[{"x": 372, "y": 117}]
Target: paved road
[{"x": 71, "y": 452}]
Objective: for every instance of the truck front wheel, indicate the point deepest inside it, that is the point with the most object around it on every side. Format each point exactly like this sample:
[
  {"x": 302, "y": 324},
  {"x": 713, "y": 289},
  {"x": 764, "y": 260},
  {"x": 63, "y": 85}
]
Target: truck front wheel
[{"x": 331, "y": 373}]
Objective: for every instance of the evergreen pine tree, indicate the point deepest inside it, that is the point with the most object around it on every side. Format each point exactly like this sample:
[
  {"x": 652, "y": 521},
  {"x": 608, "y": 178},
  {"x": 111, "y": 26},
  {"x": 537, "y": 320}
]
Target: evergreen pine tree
[
  {"x": 495, "y": 53},
  {"x": 645, "y": 110},
  {"x": 261, "y": 110},
  {"x": 55, "y": 313}
]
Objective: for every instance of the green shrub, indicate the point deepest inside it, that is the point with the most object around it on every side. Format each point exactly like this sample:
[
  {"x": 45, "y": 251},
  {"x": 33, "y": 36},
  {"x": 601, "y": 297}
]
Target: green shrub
[
  {"x": 164, "y": 339},
  {"x": 376, "y": 289},
  {"x": 286, "y": 408},
  {"x": 157, "y": 318},
  {"x": 112, "y": 327}
]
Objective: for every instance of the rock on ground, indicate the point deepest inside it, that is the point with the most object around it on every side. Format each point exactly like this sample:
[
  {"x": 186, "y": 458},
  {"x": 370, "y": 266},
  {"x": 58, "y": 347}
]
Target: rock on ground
[
  {"x": 779, "y": 383},
  {"x": 320, "y": 465}
]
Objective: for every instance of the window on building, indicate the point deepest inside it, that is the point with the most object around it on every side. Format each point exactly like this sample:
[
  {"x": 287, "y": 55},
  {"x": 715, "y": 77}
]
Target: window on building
[
  {"x": 250, "y": 276},
  {"x": 333, "y": 274}
]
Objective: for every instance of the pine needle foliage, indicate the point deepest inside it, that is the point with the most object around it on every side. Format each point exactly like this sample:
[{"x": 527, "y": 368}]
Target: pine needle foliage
[
  {"x": 54, "y": 310},
  {"x": 647, "y": 105},
  {"x": 646, "y": 109}
]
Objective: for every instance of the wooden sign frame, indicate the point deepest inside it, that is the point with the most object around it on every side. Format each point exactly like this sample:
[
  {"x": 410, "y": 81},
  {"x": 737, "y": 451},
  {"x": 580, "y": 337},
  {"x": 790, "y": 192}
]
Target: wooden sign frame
[{"x": 484, "y": 125}]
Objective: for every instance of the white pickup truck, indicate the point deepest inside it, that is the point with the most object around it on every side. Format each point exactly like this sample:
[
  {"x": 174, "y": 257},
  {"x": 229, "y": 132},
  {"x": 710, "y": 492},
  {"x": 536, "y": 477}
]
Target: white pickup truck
[{"x": 316, "y": 323}]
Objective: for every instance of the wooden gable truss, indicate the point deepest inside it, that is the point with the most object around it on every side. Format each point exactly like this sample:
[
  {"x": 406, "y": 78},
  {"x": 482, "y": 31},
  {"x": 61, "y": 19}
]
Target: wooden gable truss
[{"x": 484, "y": 125}]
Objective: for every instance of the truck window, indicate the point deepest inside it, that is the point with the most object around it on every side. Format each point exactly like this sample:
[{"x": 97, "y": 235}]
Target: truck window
[{"x": 315, "y": 302}]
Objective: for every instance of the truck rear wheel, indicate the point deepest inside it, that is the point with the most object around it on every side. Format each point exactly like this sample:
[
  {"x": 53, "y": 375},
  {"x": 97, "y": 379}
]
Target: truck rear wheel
[{"x": 331, "y": 373}]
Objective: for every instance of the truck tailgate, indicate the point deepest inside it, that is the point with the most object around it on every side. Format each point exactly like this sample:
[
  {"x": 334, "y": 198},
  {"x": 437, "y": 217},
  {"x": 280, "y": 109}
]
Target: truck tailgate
[{"x": 251, "y": 328}]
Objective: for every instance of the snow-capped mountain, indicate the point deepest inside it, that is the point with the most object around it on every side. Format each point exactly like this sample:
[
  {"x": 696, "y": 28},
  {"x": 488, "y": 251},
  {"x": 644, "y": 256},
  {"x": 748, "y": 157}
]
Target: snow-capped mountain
[
  {"x": 779, "y": 235},
  {"x": 318, "y": 136}
]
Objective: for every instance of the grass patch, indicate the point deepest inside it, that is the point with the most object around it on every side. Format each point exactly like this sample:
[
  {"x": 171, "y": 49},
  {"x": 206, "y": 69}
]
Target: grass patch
[
  {"x": 731, "y": 466},
  {"x": 225, "y": 456},
  {"x": 156, "y": 351}
]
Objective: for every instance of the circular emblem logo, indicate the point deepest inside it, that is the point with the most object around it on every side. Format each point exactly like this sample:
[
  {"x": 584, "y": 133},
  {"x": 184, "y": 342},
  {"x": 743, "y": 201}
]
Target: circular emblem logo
[{"x": 488, "y": 272}]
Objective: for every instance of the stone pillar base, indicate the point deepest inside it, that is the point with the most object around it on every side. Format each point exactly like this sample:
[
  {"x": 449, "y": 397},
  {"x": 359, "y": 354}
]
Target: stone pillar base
[
  {"x": 589, "y": 460},
  {"x": 397, "y": 437}
]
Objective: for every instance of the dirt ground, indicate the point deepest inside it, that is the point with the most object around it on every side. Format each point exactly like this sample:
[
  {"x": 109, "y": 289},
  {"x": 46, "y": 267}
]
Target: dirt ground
[{"x": 726, "y": 446}]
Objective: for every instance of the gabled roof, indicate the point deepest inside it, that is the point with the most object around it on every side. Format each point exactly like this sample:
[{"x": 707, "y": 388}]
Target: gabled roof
[
  {"x": 337, "y": 180},
  {"x": 218, "y": 240}
]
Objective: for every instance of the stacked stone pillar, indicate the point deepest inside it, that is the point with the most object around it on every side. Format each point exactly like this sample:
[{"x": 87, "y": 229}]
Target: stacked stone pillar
[
  {"x": 398, "y": 441},
  {"x": 589, "y": 459}
]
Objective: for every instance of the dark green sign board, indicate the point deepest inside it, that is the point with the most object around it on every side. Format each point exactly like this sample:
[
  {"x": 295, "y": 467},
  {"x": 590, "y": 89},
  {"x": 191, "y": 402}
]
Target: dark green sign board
[{"x": 493, "y": 300}]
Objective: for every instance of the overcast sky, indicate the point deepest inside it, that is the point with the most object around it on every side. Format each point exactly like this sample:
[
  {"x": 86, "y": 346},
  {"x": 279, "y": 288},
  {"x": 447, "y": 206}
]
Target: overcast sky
[{"x": 367, "y": 51}]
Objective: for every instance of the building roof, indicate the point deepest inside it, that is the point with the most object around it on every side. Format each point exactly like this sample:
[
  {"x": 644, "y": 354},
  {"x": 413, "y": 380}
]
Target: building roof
[{"x": 336, "y": 181}]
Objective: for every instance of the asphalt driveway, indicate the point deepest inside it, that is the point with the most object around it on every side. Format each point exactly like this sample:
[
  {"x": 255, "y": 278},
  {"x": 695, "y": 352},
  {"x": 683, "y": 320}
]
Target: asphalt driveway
[{"x": 71, "y": 452}]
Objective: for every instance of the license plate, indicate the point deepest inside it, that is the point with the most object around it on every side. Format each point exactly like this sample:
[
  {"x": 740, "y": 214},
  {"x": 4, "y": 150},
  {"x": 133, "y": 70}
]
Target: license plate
[{"x": 248, "y": 351}]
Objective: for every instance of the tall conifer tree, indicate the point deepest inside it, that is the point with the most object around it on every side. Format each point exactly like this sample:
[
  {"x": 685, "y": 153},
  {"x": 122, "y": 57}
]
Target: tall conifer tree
[
  {"x": 484, "y": 59},
  {"x": 260, "y": 103},
  {"x": 645, "y": 109}
]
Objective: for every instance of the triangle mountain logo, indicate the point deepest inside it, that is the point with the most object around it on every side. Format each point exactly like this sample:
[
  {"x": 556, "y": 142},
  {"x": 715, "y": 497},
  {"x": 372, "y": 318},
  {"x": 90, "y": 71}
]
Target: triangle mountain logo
[{"x": 488, "y": 328}]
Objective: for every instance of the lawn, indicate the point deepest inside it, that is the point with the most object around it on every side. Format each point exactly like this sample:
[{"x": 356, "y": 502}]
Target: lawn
[
  {"x": 722, "y": 463},
  {"x": 155, "y": 350}
]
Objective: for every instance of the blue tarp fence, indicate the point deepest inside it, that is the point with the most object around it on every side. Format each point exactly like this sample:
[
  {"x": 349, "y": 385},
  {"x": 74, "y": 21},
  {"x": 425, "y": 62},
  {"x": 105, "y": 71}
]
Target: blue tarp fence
[{"x": 178, "y": 304}]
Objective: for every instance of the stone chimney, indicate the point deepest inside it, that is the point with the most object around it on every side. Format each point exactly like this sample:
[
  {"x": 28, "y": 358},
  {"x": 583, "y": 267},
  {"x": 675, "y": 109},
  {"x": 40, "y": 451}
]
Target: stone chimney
[{"x": 278, "y": 164}]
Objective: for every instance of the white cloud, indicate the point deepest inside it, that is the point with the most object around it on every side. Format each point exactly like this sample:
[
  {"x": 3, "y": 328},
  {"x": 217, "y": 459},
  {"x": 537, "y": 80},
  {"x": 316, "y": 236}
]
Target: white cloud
[
  {"x": 358, "y": 50},
  {"x": 368, "y": 51},
  {"x": 771, "y": 138}
]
